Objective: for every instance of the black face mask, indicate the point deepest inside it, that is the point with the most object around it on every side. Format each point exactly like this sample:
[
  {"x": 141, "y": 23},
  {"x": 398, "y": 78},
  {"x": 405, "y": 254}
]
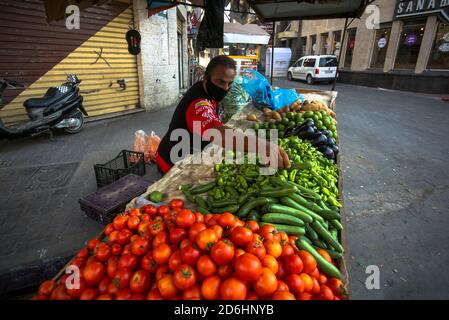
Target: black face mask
[{"x": 214, "y": 91}]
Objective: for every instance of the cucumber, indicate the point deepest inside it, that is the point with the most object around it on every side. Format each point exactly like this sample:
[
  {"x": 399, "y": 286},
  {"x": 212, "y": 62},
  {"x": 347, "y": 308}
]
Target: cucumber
[
  {"x": 188, "y": 196},
  {"x": 306, "y": 239},
  {"x": 291, "y": 230},
  {"x": 203, "y": 188},
  {"x": 202, "y": 210},
  {"x": 336, "y": 224},
  {"x": 200, "y": 202},
  {"x": 309, "y": 212},
  {"x": 333, "y": 254},
  {"x": 232, "y": 192},
  {"x": 334, "y": 233},
  {"x": 282, "y": 219},
  {"x": 291, "y": 211},
  {"x": 278, "y": 192},
  {"x": 244, "y": 197},
  {"x": 326, "y": 214},
  {"x": 325, "y": 266},
  {"x": 253, "y": 215},
  {"x": 232, "y": 209},
  {"x": 320, "y": 244},
  {"x": 306, "y": 192},
  {"x": 248, "y": 206},
  {"x": 223, "y": 203},
  {"x": 326, "y": 236},
  {"x": 311, "y": 233},
  {"x": 278, "y": 182}
]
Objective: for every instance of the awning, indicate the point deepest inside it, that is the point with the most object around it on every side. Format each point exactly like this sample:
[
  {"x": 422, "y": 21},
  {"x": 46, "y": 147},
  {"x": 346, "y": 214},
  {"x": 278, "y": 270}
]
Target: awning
[
  {"x": 248, "y": 33},
  {"x": 276, "y": 10}
]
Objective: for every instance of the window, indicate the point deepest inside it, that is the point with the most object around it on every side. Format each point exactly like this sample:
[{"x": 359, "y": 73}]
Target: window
[
  {"x": 439, "y": 57},
  {"x": 313, "y": 47},
  {"x": 409, "y": 45},
  {"x": 350, "y": 47},
  {"x": 298, "y": 63},
  {"x": 337, "y": 43},
  {"x": 309, "y": 63},
  {"x": 303, "y": 46},
  {"x": 380, "y": 48},
  {"x": 324, "y": 43},
  {"x": 328, "y": 62},
  {"x": 240, "y": 50}
]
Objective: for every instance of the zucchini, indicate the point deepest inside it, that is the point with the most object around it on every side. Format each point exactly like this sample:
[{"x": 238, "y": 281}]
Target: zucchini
[
  {"x": 326, "y": 214},
  {"x": 248, "y": 206},
  {"x": 309, "y": 212},
  {"x": 282, "y": 219},
  {"x": 336, "y": 224},
  {"x": 334, "y": 233},
  {"x": 311, "y": 233},
  {"x": 232, "y": 209},
  {"x": 223, "y": 203},
  {"x": 325, "y": 266},
  {"x": 278, "y": 192},
  {"x": 291, "y": 230},
  {"x": 320, "y": 244},
  {"x": 291, "y": 211},
  {"x": 326, "y": 236},
  {"x": 203, "y": 188}
]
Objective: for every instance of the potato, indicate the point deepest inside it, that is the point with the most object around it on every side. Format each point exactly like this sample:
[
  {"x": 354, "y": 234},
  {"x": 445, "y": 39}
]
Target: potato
[
  {"x": 287, "y": 109},
  {"x": 251, "y": 117},
  {"x": 266, "y": 110}
]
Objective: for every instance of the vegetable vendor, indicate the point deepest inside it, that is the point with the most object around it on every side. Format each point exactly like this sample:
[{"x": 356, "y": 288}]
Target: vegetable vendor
[{"x": 198, "y": 111}]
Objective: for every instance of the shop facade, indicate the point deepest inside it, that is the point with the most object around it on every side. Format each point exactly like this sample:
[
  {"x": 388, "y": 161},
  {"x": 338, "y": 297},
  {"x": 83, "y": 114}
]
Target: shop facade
[{"x": 407, "y": 50}]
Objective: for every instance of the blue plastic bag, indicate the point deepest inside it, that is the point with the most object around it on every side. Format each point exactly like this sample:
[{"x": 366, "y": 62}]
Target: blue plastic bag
[{"x": 263, "y": 95}]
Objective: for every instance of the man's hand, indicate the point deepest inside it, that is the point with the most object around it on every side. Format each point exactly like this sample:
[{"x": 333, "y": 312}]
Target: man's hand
[
  {"x": 274, "y": 156},
  {"x": 283, "y": 160}
]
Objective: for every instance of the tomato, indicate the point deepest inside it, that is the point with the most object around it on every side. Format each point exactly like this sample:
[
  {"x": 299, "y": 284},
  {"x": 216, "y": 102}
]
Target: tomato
[
  {"x": 315, "y": 274},
  {"x": 167, "y": 287},
  {"x": 218, "y": 230},
  {"x": 257, "y": 248},
  {"x": 271, "y": 263},
  {"x": 79, "y": 262},
  {"x": 283, "y": 295},
  {"x": 184, "y": 243},
  {"x": 304, "y": 296},
  {"x": 322, "y": 279},
  {"x": 195, "y": 229},
  {"x": 273, "y": 248},
  {"x": 149, "y": 210},
  {"x": 252, "y": 225},
  {"x": 177, "y": 235},
  {"x": 233, "y": 289},
  {"x": 162, "y": 253},
  {"x": 308, "y": 282},
  {"x": 124, "y": 236},
  {"x": 112, "y": 289},
  {"x": 212, "y": 221},
  {"x": 145, "y": 217},
  {"x": 102, "y": 252},
  {"x": 112, "y": 266},
  {"x": 184, "y": 277},
  {"x": 336, "y": 285},
  {"x": 325, "y": 255},
  {"x": 90, "y": 260},
  {"x": 248, "y": 267},
  {"x": 140, "y": 246},
  {"x": 60, "y": 293},
  {"x": 293, "y": 264},
  {"x": 282, "y": 286},
  {"x": 283, "y": 236},
  {"x": 144, "y": 228},
  {"x": 163, "y": 210},
  {"x": 190, "y": 255},
  {"x": 295, "y": 283},
  {"x": 121, "y": 278},
  {"x": 140, "y": 281},
  {"x": 185, "y": 219},
  {"x": 105, "y": 297},
  {"x": 316, "y": 287},
  {"x": 134, "y": 212},
  {"x": 281, "y": 270},
  {"x": 239, "y": 252},
  {"x": 116, "y": 249},
  {"x": 227, "y": 220},
  {"x": 292, "y": 241},
  {"x": 104, "y": 285},
  {"x": 156, "y": 227},
  {"x": 148, "y": 263},
  {"x": 94, "y": 272},
  {"x": 83, "y": 253},
  {"x": 325, "y": 293},
  {"x": 251, "y": 296},
  {"x": 287, "y": 250},
  {"x": 222, "y": 252},
  {"x": 127, "y": 249},
  {"x": 176, "y": 204},
  {"x": 199, "y": 217},
  {"x": 225, "y": 271},
  {"x": 308, "y": 261},
  {"x": 266, "y": 284},
  {"x": 161, "y": 272},
  {"x": 210, "y": 288},
  {"x": 160, "y": 238},
  {"x": 129, "y": 261},
  {"x": 133, "y": 223},
  {"x": 92, "y": 244},
  {"x": 240, "y": 223},
  {"x": 154, "y": 294},
  {"x": 123, "y": 294},
  {"x": 46, "y": 287},
  {"x": 193, "y": 293},
  {"x": 89, "y": 294},
  {"x": 241, "y": 236},
  {"x": 113, "y": 237},
  {"x": 205, "y": 266},
  {"x": 267, "y": 232},
  {"x": 206, "y": 239},
  {"x": 39, "y": 297},
  {"x": 120, "y": 222}
]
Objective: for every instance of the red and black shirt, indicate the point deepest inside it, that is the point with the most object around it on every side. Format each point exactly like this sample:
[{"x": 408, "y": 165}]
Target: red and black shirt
[{"x": 196, "y": 105}]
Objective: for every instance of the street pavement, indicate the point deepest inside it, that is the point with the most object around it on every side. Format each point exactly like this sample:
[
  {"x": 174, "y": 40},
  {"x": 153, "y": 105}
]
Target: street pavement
[{"x": 395, "y": 175}]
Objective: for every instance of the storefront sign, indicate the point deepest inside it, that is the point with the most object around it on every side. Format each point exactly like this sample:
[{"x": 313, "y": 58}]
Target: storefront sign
[
  {"x": 414, "y": 8},
  {"x": 382, "y": 43},
  {"x": 411, "y": 39}
]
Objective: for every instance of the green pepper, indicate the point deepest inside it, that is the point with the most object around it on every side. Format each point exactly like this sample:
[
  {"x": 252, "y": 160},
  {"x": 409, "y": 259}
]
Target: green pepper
[{"x": 293, "y": 175}]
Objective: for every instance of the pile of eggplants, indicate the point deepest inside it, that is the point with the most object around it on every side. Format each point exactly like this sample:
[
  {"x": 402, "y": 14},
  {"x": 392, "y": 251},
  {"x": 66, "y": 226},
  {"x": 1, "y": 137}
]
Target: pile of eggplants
[{"x": 319, "y": 139}]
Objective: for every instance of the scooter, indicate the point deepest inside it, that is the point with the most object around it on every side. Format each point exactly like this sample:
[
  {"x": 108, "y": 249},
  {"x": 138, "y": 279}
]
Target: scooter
[{"x": 60, "y": 108}]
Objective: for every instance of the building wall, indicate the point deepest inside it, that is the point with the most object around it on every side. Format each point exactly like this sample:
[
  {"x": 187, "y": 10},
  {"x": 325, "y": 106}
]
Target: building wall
[{"x": 158, "y": 61}]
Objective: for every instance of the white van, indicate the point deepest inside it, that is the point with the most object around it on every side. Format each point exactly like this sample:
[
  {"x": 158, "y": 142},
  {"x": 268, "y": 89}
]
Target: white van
[{"x": 322, "y": 68}]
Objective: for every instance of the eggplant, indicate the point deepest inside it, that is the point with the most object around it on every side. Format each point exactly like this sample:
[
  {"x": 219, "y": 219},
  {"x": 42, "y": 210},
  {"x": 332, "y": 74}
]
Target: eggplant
[
  {"x": 321, "y": 139},
  {"x": 306, "y": 133},
  {"x": 307, "y": 123},
  {"x": 327, "y": 152},
  {"x": 331, "y": 141},
  {"x": 335, "y": 149},
  {"x": 325, "y": 132}
]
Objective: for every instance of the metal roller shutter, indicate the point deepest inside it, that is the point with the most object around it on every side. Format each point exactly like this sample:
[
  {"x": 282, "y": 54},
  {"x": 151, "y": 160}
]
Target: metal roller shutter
[{"x": 40, "y": 55}]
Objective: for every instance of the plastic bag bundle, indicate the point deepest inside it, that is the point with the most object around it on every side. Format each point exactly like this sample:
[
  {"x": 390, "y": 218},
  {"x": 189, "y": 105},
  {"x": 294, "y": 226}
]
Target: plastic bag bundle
[
  {"x": 236, "y": 99},
  {"x": 147, "y": 144},
  {"x": 263, "y": 95}
]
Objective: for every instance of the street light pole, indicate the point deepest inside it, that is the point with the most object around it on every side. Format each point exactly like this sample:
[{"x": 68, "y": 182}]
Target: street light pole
[{"x": 272, "y": 52}]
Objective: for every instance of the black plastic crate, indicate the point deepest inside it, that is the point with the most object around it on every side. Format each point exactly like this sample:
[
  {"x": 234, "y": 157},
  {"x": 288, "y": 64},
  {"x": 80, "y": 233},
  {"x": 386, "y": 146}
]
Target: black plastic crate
[
  {"x": 125, "y": 163},
  {"x": 108, "y": 201}
]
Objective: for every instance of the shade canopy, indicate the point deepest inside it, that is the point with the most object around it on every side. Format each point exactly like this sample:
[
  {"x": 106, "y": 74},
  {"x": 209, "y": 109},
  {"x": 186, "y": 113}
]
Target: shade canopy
[
  {"x": 248, "y": 33},
  {"x": 277, "y": 10}
]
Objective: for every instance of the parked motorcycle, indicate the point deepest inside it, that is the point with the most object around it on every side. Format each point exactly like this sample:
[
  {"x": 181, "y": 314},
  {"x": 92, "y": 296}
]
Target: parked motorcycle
[{"x": 60, "y": 108}]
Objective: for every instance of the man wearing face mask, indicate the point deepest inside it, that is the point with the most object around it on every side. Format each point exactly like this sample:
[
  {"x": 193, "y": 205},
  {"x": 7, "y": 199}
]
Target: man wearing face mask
[{"x": 199, "y": 106}]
